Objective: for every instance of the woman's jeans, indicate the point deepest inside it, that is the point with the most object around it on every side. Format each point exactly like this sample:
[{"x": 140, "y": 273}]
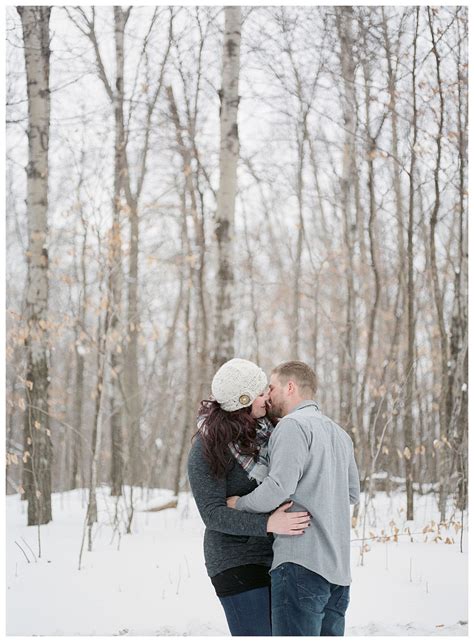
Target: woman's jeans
[
  {"x": 248, "y": 613},
  {"x": 304, "y": 603}
]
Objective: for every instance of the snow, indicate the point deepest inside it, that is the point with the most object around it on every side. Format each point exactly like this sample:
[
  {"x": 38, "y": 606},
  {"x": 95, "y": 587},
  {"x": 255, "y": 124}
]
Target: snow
[{"x": 153, "y": 582}]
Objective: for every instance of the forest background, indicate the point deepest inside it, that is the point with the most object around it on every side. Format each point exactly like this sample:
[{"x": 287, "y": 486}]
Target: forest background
[{"x": 266, "y": 182}]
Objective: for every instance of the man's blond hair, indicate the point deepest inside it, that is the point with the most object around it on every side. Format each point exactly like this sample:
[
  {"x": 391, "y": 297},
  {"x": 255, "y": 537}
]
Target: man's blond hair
[{"x": 300, "y": 373}]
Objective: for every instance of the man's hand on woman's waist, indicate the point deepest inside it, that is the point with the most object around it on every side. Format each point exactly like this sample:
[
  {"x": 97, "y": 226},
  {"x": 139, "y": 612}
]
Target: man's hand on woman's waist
[{"x": 280, "y": 521}]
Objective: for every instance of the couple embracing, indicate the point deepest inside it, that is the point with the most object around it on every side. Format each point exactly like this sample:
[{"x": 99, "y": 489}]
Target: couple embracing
[{"x": 273, "y": 479}]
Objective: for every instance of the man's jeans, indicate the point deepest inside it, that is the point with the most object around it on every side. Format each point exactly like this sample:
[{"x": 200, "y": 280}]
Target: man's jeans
[
  {"x": 248, "y": 613},
  {"x": 304, "y": 603}
]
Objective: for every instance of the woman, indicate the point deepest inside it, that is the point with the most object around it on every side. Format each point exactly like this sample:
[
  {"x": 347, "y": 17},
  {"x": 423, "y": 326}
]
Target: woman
[{"x": 228, "y": 457}]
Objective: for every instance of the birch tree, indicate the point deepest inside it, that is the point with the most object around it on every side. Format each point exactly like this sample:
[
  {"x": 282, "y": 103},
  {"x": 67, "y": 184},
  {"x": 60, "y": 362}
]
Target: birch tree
[
  {"x": 444, "y": 397},
  {"x": 115, "y": 92},
  {"x": 352, "y": 195},
  {"x": 229, "y": 153},
  {"x": 459, "y": 325},
  {"x": 348, "y": 405},
  {"x": 37, "y": 437},
  {"x": 410, "y": 359}
]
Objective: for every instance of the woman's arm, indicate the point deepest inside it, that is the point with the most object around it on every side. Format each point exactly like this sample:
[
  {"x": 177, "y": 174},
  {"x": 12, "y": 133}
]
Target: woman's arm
[{"x": 210, "y": 496}]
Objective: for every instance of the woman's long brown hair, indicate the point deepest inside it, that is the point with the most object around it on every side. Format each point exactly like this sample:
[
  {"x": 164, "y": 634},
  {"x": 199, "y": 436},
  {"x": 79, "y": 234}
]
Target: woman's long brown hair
[{"x": 218, "y": 428}]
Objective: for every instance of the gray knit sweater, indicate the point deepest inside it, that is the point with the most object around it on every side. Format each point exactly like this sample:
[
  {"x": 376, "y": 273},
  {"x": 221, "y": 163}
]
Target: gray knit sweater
[
  {"x": 312, "y": 463},
  {"x": 232, "y": 538}
]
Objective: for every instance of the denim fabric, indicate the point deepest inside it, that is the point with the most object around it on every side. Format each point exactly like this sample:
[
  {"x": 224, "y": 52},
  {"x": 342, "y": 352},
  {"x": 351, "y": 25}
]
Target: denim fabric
[
  {"x": 248, "y": 613},
  {"x": 304, "y": 603}
]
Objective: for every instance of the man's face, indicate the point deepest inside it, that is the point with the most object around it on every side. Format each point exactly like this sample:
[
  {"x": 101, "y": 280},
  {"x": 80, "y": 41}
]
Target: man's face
[{"x": 277, "y": 396}]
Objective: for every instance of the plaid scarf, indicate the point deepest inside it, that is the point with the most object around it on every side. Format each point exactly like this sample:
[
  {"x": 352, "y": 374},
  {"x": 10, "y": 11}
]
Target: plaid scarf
[{"x": 257, "y": 470}]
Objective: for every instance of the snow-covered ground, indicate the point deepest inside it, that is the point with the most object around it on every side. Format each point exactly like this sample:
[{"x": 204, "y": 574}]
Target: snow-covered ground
[{"x": 153, "y": 582}]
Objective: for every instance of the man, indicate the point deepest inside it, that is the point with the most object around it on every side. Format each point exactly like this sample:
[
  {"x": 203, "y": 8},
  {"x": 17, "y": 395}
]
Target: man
[{"x": 312, "y": 464}]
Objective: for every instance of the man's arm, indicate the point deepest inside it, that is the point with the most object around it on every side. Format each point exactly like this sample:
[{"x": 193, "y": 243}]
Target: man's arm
[
  {"x": 288, "y": 449},
  {"x": 210, "y": 496},
  {"x": 354, "y": 481}
]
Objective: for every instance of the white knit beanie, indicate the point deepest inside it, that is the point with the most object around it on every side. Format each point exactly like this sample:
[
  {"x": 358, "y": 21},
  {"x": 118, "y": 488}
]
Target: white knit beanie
[{"x": 237, "y": 384}]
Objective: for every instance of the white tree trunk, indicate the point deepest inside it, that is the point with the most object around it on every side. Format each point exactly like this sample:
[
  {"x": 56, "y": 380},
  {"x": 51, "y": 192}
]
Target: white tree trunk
[
  {"x": 344, "y": 18},
  {"x": 116, "y": 266},
  {"x": 38, "y": 452},
  {"x": 229, "y": 153}
]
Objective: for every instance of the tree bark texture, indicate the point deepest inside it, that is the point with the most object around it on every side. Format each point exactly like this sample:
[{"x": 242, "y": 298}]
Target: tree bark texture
[
  {"x": 408, "y": 450},
  {"x": 229, "y": 153},
  {"x": 37, "y": 456}
]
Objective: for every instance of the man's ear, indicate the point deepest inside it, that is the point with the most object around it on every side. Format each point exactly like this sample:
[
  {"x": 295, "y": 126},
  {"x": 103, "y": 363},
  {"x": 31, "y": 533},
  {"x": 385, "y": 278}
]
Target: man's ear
[{"x": 291, "y": 388}]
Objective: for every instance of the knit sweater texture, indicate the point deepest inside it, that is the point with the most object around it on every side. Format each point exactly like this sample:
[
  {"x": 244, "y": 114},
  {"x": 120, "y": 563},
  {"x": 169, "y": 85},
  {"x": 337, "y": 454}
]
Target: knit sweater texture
[{"x": 231, "y": 538}]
